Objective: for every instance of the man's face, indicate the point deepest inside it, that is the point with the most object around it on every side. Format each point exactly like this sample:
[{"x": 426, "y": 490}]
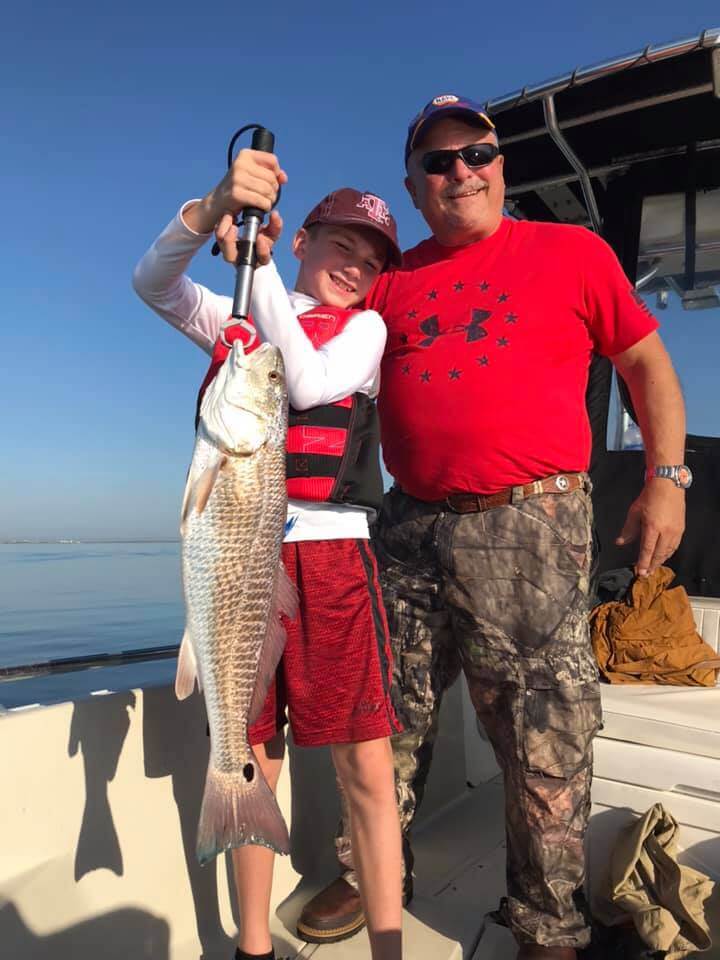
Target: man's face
[{"x": 465, "y": 203}]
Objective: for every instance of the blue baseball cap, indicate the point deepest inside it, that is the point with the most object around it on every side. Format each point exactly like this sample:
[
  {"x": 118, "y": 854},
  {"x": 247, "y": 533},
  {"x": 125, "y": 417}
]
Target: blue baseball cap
[{"x": 447, "y": 104}]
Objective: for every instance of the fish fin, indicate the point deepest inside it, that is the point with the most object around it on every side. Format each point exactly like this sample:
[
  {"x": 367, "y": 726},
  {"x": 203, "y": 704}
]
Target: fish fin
[
  {"x": 204, "y": 486},
  {"x": 270, "y": 655},
  {"x": 285, "y": 600},
  {"x": 187, "y": 501},
  {"x": 187, "y": 671},
  {"x": 286, "y": 595},
  {"x": 237, "y": 811},
  {"x": 198, "y": 488}
]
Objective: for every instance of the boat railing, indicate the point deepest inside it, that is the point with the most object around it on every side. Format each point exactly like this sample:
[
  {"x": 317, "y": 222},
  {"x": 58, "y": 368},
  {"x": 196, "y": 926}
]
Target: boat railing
[{"x": 89, "y": 662}]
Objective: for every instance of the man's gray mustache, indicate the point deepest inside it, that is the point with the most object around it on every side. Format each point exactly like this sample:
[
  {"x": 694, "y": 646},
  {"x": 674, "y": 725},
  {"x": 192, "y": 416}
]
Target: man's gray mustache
[{"x": 452, "y": 194}]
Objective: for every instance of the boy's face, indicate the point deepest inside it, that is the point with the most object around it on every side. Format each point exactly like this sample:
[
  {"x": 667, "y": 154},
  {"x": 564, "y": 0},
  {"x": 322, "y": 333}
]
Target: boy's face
[{"x": 338, "y": 264}]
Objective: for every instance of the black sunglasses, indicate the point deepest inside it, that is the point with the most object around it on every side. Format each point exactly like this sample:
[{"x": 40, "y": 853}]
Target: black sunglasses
[{"x": 476, "y": 155}]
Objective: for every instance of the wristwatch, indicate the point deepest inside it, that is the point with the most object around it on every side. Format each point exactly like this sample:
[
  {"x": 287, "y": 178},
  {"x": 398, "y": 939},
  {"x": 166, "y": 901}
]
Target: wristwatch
[{"x": 680, "y": 474}]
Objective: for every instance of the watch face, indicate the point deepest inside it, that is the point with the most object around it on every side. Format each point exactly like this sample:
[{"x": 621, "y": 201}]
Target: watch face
[{"x": 684, "y": 476}]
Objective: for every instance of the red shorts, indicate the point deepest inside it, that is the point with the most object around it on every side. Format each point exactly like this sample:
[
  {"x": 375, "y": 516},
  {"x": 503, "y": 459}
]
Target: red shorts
[{"x": 336, "y": 670}]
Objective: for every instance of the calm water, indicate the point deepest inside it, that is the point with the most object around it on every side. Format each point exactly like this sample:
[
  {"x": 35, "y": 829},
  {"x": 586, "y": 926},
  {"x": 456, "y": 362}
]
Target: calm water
[{"x": 63, "y": 600}]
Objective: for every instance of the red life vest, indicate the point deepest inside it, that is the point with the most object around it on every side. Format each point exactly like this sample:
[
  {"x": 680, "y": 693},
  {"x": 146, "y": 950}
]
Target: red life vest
[{"x": 333, "y": 450}]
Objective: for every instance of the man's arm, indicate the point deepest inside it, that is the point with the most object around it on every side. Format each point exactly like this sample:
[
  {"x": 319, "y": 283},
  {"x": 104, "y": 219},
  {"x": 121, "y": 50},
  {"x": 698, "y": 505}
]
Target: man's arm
[{"x": 658, "y": 514}]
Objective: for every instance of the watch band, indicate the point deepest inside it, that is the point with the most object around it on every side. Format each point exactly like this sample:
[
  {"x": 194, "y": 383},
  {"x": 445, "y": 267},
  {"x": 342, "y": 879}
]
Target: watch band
[
  {"x": 664, "y": 472},
  {"x": 680, "y": 474}
]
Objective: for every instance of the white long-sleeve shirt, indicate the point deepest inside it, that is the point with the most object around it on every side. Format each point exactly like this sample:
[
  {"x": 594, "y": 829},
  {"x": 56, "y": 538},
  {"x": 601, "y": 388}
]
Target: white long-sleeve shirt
[{"x": 347, "y": 364}]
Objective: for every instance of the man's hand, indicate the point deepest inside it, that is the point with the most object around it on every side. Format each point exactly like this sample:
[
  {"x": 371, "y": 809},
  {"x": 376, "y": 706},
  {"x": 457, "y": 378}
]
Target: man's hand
[
  {"x": 226, "y": 234},
  {"x": 658, "y": 517},
  {"x": 658, "y": 514},
  {"x": 253, "y": 181}
]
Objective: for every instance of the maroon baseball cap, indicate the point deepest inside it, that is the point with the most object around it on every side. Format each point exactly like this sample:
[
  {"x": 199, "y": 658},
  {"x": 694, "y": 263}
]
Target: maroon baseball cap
[{"x": 352, "y": 208}]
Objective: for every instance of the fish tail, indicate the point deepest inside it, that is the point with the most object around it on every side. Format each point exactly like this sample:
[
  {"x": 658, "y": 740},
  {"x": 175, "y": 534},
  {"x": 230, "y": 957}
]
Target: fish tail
[{"x": 237, "y": 809}]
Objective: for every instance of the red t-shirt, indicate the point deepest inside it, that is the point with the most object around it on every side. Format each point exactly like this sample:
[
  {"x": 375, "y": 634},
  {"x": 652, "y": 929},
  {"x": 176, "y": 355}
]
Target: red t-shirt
[{"x": 486, "y": 364}]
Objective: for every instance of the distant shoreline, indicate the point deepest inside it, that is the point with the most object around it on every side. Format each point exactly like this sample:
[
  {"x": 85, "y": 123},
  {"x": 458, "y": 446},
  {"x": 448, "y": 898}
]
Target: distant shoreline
[{"x": 67, "y": 541}]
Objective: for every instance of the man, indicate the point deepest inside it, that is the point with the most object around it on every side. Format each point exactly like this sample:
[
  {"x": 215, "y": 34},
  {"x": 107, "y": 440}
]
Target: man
[{"x": 484, "y": 542}]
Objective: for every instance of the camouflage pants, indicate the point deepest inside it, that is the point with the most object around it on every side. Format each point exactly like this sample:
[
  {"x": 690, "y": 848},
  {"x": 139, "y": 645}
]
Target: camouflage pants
[{"x": 502, "y": 595}]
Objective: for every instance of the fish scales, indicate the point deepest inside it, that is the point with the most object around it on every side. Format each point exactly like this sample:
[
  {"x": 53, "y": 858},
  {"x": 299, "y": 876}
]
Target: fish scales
[
  {"x": 235, "y": 590},
  {"x": 234, "y": 584}
]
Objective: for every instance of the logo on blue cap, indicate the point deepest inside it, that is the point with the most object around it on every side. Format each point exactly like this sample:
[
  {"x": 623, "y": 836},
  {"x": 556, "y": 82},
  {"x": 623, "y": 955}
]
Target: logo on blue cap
[{"x": 445, "y": 99}]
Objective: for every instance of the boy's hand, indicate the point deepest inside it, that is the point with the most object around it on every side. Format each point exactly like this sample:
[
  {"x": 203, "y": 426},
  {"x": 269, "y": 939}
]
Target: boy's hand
[
  {"x": 253, "y": 181},
  {"x": 226, "y": 234}
]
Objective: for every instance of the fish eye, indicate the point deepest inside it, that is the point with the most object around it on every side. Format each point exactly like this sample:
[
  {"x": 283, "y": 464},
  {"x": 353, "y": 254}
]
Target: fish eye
[{"x": 273, "y": 376}]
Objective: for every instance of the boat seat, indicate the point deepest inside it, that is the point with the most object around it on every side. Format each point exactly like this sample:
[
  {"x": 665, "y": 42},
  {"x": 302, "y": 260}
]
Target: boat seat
[{"x": 683, "y": 719}]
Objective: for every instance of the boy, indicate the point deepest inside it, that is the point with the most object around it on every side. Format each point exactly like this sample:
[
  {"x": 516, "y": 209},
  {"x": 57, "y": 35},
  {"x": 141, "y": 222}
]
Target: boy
[{"x": 336, "y": 669}]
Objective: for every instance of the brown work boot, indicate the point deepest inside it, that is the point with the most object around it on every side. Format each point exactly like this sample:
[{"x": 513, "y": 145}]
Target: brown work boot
[
  {"x": 334, "y": 914},
  {"x": 532, "y": 951}
]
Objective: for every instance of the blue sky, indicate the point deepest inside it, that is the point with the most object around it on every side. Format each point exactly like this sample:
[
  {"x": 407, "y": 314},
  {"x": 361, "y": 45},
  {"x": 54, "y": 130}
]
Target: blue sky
[{"x": 111, "y": 116}]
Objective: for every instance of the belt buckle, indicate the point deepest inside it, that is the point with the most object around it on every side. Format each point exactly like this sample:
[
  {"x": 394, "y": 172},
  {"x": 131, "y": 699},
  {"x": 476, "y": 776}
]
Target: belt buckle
[{"x": 562, "y": 483}]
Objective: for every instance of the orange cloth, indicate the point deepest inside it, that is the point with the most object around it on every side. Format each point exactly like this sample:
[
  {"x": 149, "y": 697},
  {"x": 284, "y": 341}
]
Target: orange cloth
[{"x": 652, "y": 638}]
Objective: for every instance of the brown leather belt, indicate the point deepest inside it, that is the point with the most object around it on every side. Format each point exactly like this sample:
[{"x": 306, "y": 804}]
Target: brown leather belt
[{"x": 478, "y": 502}]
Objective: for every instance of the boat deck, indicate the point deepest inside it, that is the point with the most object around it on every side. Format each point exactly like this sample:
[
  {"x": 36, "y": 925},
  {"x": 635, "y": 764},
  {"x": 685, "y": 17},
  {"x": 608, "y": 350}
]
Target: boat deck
[
  {"x": 100, "y": 854},
  {"x": 98, "y": 858},
  {"x": 459, "y": 878}
]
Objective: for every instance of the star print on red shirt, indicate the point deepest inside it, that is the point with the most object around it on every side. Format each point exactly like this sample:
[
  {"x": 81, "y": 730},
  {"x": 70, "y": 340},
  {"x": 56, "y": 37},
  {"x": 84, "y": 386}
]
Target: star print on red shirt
[{"x": 486, "y": 363}]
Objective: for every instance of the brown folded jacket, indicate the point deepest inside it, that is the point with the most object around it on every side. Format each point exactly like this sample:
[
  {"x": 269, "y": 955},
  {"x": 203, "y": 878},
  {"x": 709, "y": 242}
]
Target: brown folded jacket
[{"x": 651, "y": 637}]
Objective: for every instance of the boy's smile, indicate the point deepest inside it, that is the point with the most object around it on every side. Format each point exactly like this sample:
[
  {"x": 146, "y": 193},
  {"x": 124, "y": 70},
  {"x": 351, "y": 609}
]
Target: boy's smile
[{"x": 339, "y": 264}]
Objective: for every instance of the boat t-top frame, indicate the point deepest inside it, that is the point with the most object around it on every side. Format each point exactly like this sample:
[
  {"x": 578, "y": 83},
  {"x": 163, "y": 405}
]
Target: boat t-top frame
[{"x": 593, "y": 146}]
